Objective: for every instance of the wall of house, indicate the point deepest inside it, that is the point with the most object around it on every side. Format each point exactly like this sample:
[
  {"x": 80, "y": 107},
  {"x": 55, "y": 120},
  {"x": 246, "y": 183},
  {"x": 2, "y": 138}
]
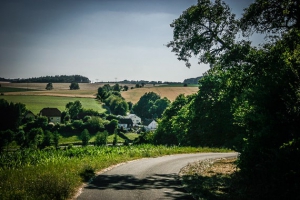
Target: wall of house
[
  {"x": 152, "y": 125},
  {"x": 54, "y": 119}
]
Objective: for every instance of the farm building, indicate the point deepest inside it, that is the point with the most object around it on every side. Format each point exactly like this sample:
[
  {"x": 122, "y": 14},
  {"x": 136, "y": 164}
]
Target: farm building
[
  {"x": 53, "y": 114},
  {"x": 29, "y": 115},
  {"x": 150, "y": 125},
  {"x": 135, "y": 119},
  {"x": 125, "y": 123}
]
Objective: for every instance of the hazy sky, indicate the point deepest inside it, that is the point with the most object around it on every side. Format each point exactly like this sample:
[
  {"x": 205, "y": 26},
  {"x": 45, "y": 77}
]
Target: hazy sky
[{"x": 103, "y": 40}]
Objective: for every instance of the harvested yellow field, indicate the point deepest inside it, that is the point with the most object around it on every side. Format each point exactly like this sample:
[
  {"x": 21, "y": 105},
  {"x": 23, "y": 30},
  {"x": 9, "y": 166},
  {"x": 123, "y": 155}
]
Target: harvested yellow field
[
  {"x": 171, "y": 93},
  {"x": 89, "y": 90}
]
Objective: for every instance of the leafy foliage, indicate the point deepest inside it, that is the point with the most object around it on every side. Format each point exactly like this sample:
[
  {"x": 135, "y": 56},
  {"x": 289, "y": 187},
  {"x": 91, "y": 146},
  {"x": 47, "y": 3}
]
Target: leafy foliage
[
  {"x": 113, "y": 99},
  {"x": 49, "y": 86},
  {"x": 150, "y": 106},
  {"x": 249, "y": 99},
  {"x": 205, "y": 29},
  {"x": 74, "y": 108},
  {"x": 85, "y": 137},
  {"x": 101, "y": 138},
  {"x": 74, "y": 86},
  {"x": 271, "y": 16},
  {"x": 11, "y": 114}
]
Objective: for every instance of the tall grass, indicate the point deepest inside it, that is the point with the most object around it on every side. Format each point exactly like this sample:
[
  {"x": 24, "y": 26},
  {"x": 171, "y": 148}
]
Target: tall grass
[{"x": 56, "y": 174}]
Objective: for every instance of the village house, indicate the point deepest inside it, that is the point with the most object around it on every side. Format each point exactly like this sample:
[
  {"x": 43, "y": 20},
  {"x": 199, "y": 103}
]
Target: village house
[
  {"x": 150, "y": 125},
  {"x": 53, "y": 114},
  {"x": 135, "y": 119},
  {"x": 29, "y": 115},
  {"x": 125, "y": 123}
]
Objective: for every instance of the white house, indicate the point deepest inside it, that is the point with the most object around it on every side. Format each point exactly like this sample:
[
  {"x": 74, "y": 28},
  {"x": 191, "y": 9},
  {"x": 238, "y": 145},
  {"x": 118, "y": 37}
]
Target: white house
[
  {"x": 150, "y": 125},
  {"x": 153, "y": 125},
  {"x": 53, "y": 114},
  {"x": 135, "y": 119}
]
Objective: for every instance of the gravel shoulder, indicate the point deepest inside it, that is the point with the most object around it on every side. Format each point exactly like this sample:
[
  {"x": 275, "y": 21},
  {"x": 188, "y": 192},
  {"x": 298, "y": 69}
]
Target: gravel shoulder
[{"x": 209, "y": 179}]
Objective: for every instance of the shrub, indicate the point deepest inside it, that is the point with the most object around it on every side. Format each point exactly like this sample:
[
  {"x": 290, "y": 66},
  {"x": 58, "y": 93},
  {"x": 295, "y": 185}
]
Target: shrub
[
  {"x": 85, "y": 137},
  {"x": 101, "y": 138}
]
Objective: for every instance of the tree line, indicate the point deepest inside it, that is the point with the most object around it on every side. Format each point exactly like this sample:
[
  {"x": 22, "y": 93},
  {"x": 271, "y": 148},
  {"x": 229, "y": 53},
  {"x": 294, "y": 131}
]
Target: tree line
[
  {"x": 52, "y": 79},
  {"x": 249, "y": 99}
]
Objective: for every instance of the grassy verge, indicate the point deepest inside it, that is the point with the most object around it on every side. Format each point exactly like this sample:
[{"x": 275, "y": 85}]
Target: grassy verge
[{"x": 56, "y": 174}]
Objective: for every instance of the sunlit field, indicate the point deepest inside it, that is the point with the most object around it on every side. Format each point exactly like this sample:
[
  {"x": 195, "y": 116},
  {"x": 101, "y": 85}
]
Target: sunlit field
[
  {"x": 171, "y": 93},
  {"x": 36, "y": 103},
  {"x": 89, "y": 90}
]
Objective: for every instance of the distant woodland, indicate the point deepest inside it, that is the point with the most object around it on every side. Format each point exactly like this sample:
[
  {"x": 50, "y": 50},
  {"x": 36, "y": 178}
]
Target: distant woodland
[
  {"x": 192, "y": 80},
  {"x": 83, "y": 79},
  {"x": 52, "y": 79}
]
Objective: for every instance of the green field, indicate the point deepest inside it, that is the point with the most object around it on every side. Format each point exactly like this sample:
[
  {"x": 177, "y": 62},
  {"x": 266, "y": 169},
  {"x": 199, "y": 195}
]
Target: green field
[
  {"x": 11, "y": 89},
  {"x": 36, "y": 103}
]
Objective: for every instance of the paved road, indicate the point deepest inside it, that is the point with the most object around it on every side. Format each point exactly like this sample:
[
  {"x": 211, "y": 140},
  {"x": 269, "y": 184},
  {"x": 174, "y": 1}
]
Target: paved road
[{"x": 149, "y": 178}]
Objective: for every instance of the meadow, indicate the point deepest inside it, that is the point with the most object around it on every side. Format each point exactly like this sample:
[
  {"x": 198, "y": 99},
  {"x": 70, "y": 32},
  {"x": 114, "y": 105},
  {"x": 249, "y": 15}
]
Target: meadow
[
  {"x": 36, "y": 103},
  {"x": 58, "y": 174}
]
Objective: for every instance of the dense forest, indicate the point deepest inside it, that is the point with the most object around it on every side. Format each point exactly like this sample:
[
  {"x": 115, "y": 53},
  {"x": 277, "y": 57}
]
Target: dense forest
[{"x": 51, "y": 79}]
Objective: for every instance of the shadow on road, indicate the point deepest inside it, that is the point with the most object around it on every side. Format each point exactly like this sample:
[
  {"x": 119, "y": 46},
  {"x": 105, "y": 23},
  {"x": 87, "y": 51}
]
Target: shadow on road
[{"x": 169, "y": 183}]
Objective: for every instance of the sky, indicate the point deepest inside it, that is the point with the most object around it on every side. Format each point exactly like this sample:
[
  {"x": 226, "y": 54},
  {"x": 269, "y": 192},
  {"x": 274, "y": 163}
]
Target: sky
[{"x": 104, "y": 40}]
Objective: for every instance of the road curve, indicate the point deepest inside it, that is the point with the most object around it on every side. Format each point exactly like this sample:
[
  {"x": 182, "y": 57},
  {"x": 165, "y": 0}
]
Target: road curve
[{"x": 148, "y": 178}]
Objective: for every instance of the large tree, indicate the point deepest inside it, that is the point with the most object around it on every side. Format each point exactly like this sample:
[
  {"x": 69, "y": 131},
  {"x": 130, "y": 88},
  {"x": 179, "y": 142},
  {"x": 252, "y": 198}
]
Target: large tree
[
  {"x": 205, "y": 30},
  {"x": 11, "y": 114},
  {"x": 74, "y": 108},
  {"x": 271, "y": 17},
  {"x": 251, "y": 94},
  {"x": 143, "y": 106}
]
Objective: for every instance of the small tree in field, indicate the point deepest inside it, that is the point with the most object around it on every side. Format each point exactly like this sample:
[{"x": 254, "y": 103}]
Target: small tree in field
[
  {"x": 101, "y": 138},
  {"x": 56, "y": 139},
  {"x": 49, "y": 86},
  {"x": 74, "y": 86},
  {"x": 85, "y": 137},
  {"x": 115, "y": 141}
]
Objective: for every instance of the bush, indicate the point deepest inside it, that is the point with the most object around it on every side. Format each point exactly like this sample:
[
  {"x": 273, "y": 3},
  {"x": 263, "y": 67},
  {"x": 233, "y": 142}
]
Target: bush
[
  {"x": 85, "y": 137},
  {"x": 74, "y": 86},
  {"x": 101, "y": 138}
]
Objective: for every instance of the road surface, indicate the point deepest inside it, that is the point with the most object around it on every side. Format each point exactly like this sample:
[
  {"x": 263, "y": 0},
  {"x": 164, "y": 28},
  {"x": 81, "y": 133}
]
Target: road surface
[{"x": 145, "y": 179}]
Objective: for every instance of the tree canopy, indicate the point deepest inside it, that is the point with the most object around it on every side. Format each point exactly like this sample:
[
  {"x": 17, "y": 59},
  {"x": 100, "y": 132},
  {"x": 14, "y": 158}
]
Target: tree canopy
[
  {"x": 204, "y": 30},
  {"x": 11, "y": 114},
  {"x": 150, "y": 106},
  {"x": 74, "y": 86},
  {"x": 49, "y": 86},
  {"x": 249, "y": 99}
]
